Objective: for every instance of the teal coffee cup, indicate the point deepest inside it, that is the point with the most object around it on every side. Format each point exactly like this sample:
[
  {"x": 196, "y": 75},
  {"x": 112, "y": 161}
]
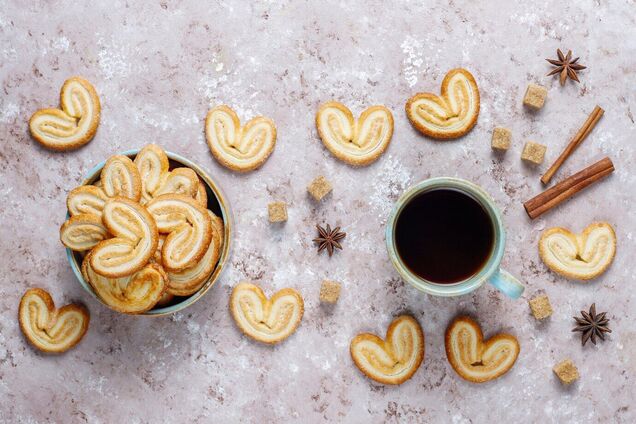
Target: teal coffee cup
[{"x": 490, "y": 271}]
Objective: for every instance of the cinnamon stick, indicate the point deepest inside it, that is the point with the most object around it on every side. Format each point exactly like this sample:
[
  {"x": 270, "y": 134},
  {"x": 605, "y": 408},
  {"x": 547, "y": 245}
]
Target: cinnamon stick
[
  {"x": 578, "y": 138},
  {"x": 567, "y": 188}
]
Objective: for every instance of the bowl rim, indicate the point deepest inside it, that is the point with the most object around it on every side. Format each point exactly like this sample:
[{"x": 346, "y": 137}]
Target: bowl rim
[{"x": 226, "y": 215}]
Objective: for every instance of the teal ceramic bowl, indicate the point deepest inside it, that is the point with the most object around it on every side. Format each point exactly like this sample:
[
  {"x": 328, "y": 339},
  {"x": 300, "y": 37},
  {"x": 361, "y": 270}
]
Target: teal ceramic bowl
[{"x": 217, "y": 203}]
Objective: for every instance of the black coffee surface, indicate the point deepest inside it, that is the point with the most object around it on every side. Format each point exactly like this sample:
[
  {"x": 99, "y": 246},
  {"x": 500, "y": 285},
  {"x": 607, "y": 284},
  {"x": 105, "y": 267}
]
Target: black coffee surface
[{"x": 444, "y": 236}]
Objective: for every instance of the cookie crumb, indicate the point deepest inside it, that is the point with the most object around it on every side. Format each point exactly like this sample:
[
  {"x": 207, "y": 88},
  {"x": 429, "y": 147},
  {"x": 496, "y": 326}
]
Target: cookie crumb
[
  {"x": 566, "y": 371},
  {"x": 540, "y": 307},
  {"x": 501, "y": 139},
  {"x": 277, "y": 211},
  {"x": 329, "y": 291},
  {"x": 533, "y": 152},
  {"x": 319, "y": 188},
  {"x": 535, "y": 96}
]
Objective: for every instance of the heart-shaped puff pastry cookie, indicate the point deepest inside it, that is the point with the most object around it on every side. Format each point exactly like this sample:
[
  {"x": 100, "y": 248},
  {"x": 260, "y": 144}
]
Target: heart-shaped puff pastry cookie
[
  {"x": 72, "y": 126},
  {"x": 266, "y": 320},
  {"x": 188, "y": 226},
  {"x": 579, "y": 256},
  {"x": 135, "y": 240},
  {"x": 395, "y": 359},
  {"x": 47, "y": 328},
  {"x": 239, "y": 148},
  {"x": 450, "y": 115},
  {"x": 473, "y": 358},
  {"x": 357, "y": 143},
  {"x": 120, "y": 177},
  {"x": 86, "y": 199},
  {"x": 133, "y": 294},
  {"x": 83, "y": 232},
  {"x": 189, "y": 280},
  {"x": 156, "y": 178}
]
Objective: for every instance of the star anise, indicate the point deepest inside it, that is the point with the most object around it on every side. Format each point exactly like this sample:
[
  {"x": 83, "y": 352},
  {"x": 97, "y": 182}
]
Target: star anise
[
  {"x": 566, "y": 66},
  {"x": 592, "y": 325},
  {"x": 329, "y": 239}
]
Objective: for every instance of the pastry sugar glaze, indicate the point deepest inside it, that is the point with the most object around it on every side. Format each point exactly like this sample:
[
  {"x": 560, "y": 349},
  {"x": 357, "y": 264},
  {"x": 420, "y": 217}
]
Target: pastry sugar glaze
[{"x": 444, "y": 236}]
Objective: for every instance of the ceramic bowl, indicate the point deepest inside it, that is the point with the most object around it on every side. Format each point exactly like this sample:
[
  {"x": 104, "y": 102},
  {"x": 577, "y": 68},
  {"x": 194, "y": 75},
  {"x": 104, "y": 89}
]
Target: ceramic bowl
[{"x": 217, "y": 203}]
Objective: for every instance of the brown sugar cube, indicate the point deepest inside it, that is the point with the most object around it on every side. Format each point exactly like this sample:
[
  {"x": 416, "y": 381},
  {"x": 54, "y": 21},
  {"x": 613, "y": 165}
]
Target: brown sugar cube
[
  {"x": 501, "y": 139},
  {"x": 319, "y": 188},
  {"x": 535, "y": 96},
  {"x": 277, "y": 211},
  {"x": 533, "y": 152},
  {"x": 566, "y": 371},
  {"x": 540, "y": 307},
  {"x": 329, "y": 291}
]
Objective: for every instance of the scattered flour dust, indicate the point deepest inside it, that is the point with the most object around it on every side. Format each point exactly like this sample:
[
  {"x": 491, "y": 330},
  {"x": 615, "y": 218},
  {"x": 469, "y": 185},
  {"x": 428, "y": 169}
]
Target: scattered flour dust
[
  {"x": 115, "y": 59},
  {"x": 61, "y": 44},
  {"x": 96, "y": 384},
  {"x": 460, "y": 419},
  {"x": 413, "y": 60},
  {"x": 392, "y": 180},
  {"x": 9, "y": 112},
  {"x": 212, "y": 78},
  {"x": 193, "y": 327}
]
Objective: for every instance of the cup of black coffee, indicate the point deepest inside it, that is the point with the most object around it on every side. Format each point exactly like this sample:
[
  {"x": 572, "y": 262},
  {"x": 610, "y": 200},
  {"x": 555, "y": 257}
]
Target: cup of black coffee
[{"x": 445, "y": 236}]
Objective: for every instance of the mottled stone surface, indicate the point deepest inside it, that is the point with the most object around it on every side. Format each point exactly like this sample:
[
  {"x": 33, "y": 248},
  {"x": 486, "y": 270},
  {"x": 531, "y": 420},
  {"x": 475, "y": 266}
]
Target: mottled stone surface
[{"x": 159, "y": 66}]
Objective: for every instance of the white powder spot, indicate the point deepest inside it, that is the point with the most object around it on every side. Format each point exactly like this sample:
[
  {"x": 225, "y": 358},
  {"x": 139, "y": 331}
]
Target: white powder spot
[
  {"x": 211, "y": 80},
  {"x": 9, "y": 112},
  {"x": 460, "y": 419},
  {"x": 4, "y": 353},
  {"x": 413, "y": 60},
  {"x": 466, "y": 56},
  {"x": 114, "y": 59},
  {"x": 391, "y": 181},
  {"x": 193, "y": 327},
  {"x": 10, "y": 54},
  {"x": 96, "y": 384},
  {"x": 209, "y": 83},
  {"x": 61, "y": 44},
  {"x": 293, "y": 368},
  {"x": 529, "y": 18},
  {"x": 243, "y": 362}
]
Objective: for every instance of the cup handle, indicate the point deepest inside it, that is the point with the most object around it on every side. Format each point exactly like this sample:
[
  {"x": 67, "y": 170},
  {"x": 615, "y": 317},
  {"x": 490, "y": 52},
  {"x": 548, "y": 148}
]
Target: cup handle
[{"x": 507, "y": 284}]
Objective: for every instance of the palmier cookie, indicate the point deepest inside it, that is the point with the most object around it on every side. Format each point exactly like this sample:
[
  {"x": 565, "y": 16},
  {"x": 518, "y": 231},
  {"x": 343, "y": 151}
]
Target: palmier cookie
[
  {"x": 179, "y": 181},
  {"x": 266, "y": 320},
  {"x": 120, "y": 177},
  {"x": 86, "y": 199},
  {"x": 47, "y": 328},
  {"x": 450, "y": 115},
  {"x": 188, "y": 227},
  {"x": 358, "y": 142},
  {"x": 132, "y": 294},
  {"x": 153, "y": 166},
  {"x": 579, "y": 256},
  {"x": 395, "y": 359},
  {"x": 156, "y": 178},
  {"x": 134, "y": 242},
  {"x": 473, "y": 358},
  {"x": 83, "y": 232},
  {"x": 239, "y": 148},
  {"x": 190, "y": 280},
  {"x": 72, "y": 126}
]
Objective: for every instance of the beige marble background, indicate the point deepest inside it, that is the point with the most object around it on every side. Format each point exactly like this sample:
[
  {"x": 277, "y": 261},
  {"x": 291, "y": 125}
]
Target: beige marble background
[{"x": 159, "y": 66}]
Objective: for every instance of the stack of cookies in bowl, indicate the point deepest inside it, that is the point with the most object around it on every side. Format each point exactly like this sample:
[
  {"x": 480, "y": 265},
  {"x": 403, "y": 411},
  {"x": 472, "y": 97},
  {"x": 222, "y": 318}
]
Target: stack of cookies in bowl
[{"x": 144, "y": 233}]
